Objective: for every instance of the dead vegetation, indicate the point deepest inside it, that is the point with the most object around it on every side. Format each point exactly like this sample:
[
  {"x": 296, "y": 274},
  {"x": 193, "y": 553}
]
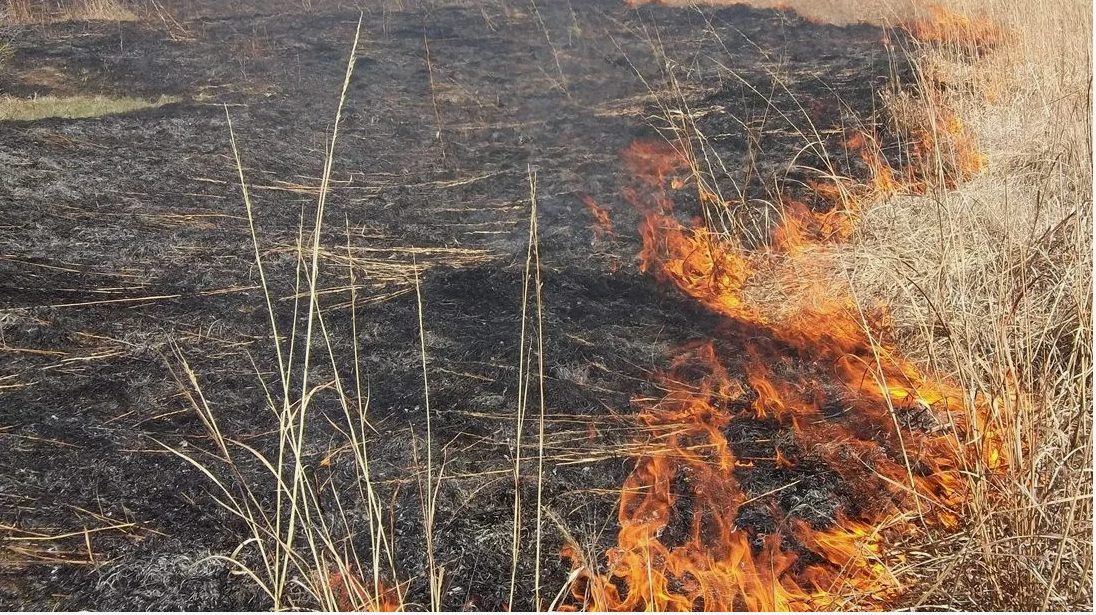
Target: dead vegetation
[
  {"x": 990, "y": 282},
  {"x": 31, "y": 12}
]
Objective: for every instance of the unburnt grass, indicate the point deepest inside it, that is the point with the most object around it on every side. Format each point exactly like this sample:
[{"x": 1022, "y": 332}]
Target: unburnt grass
[
  {"x": 72, "y": 107},
  {"x": 37, "y": 12}
]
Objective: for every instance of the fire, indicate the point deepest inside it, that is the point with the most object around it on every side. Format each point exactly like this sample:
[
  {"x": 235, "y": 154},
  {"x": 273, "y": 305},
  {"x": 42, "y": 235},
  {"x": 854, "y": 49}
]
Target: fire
[
  {"x": 946, "y": 26},
  {"x": 882, "y": 184},
  {"x": 652, "y": 161},
  {"x": 694, "y": 260},
  {"x": 602, "y": 225},
  {"x": 946, "y": 141},
  {"x": 699, "y": 527},
  {"x": 843, "y": 199},
  {"x": 691, "y": 258},
  {"x": 351, "y": 593}
]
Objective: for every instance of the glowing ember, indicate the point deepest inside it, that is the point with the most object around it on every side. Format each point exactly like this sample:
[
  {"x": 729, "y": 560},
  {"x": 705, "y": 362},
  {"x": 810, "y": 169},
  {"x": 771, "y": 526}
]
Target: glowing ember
[{"x": 699, "y": 528}]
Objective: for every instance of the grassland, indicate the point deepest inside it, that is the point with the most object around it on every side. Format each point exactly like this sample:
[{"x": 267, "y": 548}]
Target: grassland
[{"x": 988, "y": 283}]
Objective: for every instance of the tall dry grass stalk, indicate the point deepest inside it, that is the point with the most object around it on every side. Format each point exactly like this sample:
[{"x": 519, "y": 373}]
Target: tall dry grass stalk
[
  {"x": 991, "y": 284},
  {"x": 531, "y": 281}
]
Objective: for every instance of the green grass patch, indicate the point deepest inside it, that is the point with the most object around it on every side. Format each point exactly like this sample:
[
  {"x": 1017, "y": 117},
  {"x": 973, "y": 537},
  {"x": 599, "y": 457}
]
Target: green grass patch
[{"x": 41, "y": 107}]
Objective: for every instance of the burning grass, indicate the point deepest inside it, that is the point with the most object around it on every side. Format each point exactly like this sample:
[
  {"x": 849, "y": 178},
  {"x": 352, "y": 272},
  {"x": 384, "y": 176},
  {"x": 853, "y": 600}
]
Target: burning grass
[
  {"x": 990, "y": 281},
  {"x": 961, "y": 487},
  {"x": 923, "y": 457},
  {"x": 948, "y": 26},
  {"x": 919, "y": 424},
  {"x": 854, "y": 419}
]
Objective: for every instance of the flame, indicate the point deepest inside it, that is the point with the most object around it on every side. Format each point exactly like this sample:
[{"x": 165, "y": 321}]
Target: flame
[
  {"x": 692, "y": 258},
  {"x": 882, "y": 184},
  {"x": 850, "y": 407},
  {"x": 944, "y": 140},
  {"x": 351, "y": 593},
  {"x": 602, "y": 224},
  {"x": 844, "y": 200},
  {"x": 946, "y": 26}
]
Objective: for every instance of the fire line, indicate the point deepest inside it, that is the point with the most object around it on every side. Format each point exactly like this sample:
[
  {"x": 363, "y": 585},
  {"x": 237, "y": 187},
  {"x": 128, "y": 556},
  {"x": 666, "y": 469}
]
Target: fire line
[{"x": 837, "y": 402}]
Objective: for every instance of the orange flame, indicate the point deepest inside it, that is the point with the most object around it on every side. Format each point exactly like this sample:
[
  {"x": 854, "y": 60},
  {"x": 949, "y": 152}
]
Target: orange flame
[
  {"x": 947, "y": 144},
  {"x": 946, "y": 26},
  {"x": 881, "y": 181},
  {"x": 602, "y": 225},
  {"x": 351, "y": 593},
  {"x": 853, "y": 408},
  {"x": 691, "y": 258}
]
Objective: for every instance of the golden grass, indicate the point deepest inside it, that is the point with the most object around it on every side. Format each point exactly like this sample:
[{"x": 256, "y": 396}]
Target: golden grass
[
  {"x": 32, "y": 12},
  {"x": 72, "y": 107},
  {"x": 991, "y": 283}
]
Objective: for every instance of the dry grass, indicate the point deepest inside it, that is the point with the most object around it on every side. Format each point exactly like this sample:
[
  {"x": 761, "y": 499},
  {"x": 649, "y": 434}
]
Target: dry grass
[
  {"x": 71, "y": 107},
  {"x": 991, "y": 284},
  {"x": 36, "y": 12}
]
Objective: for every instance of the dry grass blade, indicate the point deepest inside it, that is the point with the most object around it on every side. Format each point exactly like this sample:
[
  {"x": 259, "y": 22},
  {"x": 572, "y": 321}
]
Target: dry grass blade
[{"x": 429, "y": 494}]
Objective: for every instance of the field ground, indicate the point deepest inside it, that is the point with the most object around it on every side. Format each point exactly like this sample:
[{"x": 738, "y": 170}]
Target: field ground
[{"x": 136, "y": 344}]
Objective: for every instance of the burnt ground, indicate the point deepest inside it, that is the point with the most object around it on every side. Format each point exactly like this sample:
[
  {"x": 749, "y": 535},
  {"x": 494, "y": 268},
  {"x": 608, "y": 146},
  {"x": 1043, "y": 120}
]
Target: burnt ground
[{"x": 126, "y": 236}]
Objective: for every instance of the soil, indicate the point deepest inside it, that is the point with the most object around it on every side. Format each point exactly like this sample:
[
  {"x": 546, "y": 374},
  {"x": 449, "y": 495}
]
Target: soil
[{"x": 125, "y": 249}]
